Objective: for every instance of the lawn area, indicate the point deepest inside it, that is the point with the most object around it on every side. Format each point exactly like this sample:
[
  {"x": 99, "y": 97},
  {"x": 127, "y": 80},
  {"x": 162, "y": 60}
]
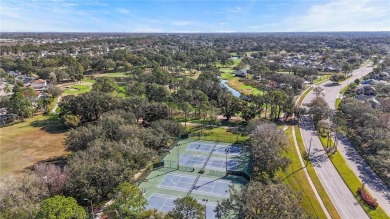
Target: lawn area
[
  {"x": 25, "y": 143},
  {"x": 316, "y": 181},
  {"x": 77, "y": 89},
  {"x": 217, "y": 134},
  {"x": 295, "y": 176},
  {"x": 88, "y": 80},
  {"x": 338, "y": 101},
  {"x": 239, "y": 86},
  {"x": 114, "y": 75},
  {"x": 352, "y": 182},
  {"x": 227, "y": 76},
  {"x": 344, "y": 89},
  {"x": 321, "y": 79}
]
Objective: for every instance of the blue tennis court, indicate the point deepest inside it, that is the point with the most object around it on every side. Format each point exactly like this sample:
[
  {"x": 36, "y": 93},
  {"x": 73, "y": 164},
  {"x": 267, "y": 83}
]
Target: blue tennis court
[
  {"x": 231, "y": 149},
  {"x": 205, "y": 186},
  {"x": 164, "y": 203},
  {"x": 200, "y": 146},
  {"x": 192, "y": 161},
  {"x": 220, "y": 149},
  {"x": 213, "y": 163}
]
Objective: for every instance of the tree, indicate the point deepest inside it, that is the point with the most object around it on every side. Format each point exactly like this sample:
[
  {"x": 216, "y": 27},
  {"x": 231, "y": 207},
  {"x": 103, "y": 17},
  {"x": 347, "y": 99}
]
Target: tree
[
  {"x": 155, "y": 92},
  {"x": 230, "y": 105},
  {"x": 319, "y": 108},
  {"x": 129, "y": 202},
  {"x": 268, "y": 143},
  {"x": 187, "y": 208},
  {"x": 105, "y": 84},
  {"x": 335, "y": 78},
  {"x": 21, "y": 105},
  {"x": 318, "y": 91},
  {"x": 155, "y": 111},
  {"x": 71, "y": 121},
  {"x": 54, "y": 91},
  {"x": 88, "y": 106},
  {"x": 61, "y": 207},
  {"x": 135, "y": 89},
  {"x": 20, "y": 196},
  {"x": 186, "y": 108},
  {"x": 53, "y": 176},
  {"x": 248, "y": 113},
  {"x": 257, "y": 200}
]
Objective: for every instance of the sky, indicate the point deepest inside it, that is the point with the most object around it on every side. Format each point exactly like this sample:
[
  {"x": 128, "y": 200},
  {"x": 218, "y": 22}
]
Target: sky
[{"x": 194, "y": 15}]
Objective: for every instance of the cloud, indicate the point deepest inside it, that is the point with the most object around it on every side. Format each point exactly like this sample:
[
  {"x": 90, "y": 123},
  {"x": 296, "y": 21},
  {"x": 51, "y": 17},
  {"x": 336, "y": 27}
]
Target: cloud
[
  {"x": 343, "y": 15},
  {"x": 235, "y": 10},
  {"x": 181, "y": 23},
  {"x": 123, "y": 11}
]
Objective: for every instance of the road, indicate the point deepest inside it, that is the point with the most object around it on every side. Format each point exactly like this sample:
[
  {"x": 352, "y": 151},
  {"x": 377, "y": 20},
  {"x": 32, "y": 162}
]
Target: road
[
  {"x": 358, "y": 165},
  {"x": 334, "y": 185}
]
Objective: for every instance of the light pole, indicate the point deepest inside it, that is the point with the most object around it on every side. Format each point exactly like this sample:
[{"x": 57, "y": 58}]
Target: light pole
[
  {"x": 226, "y": 163},
  {"x": 205, "y": 207},
  {"x": 178, "y": 156},
  {"x": 91, "y": 205}
]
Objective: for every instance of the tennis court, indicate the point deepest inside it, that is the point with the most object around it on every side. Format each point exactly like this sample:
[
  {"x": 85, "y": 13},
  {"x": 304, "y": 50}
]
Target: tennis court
[
  {"x": 213, "y": 163},
  {"x": 205, "y": 186},
  {"x": 165, "y": 203},
  {"x": 220, "y": 149},
  {"x": 198, "y": 169}
]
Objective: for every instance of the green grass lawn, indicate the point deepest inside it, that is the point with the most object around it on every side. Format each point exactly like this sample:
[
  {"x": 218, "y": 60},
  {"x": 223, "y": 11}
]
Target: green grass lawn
[
  {"x": 338, "y": 101},
  {"x": 114, "y": 75},
  {"x": 352, "y": 181},
  {"x": 89, "y": 80},
  {"x": 239, "y": 86},
  {"x": 27, "y": 142},
  {"x": 77, "y": 89},
  {"x": 344, "y": 89},
  {"x": 227, "y": 76},
  {"x": 218, "y": 134},
  {"x": 321, "y": 79},
  {"x": 295, "y": 176}
]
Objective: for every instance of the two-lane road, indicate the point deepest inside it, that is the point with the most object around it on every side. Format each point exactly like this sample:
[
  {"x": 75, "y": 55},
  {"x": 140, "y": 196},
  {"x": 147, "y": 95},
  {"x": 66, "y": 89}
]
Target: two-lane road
[{"x": 358, "y": 165}]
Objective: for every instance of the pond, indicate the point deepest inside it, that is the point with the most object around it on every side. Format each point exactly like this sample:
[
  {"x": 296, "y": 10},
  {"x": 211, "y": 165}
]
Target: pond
[{"x": 234, "y": 92}]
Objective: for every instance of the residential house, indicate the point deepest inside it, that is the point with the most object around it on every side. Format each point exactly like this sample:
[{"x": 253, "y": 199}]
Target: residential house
[
  {"x": 367, "y": 90},
  {"x": 39, "y": 84},
  {"x": 242, "y": 73}
]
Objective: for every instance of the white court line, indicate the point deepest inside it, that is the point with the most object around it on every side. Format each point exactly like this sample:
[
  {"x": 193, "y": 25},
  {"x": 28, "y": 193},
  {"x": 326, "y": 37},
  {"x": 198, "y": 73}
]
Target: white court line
[{"x": 163, "y": 203}]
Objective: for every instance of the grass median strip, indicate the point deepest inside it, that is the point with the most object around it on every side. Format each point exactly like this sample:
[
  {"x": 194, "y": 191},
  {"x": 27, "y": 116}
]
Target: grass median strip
[{"x": 352, "y": 181}]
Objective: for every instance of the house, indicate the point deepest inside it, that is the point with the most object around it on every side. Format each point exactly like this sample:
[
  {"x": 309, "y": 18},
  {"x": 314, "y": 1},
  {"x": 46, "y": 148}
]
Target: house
[
  {"x": 242, "y": 73},
  {"x": 39, "y": 84},
  {"x": 367, "y": 90},
  {"x": 26, "y": 80},
  {"x": 375, "y": 103},
  {"x": 14, "y": 74},
  {"x": 331, "y": 69}
]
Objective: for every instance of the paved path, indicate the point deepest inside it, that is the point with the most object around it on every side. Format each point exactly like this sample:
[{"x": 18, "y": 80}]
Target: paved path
[{"x": 358, "y": 165}]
